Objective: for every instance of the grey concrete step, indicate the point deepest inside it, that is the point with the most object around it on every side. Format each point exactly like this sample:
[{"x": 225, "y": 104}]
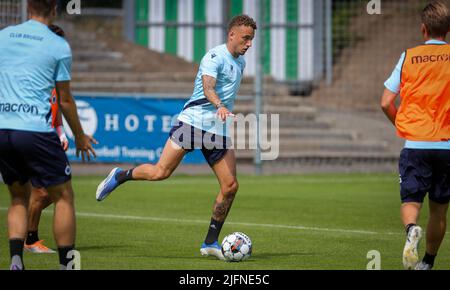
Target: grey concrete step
[
  {"x": 294, "y": 112},
  {"x": 156, "y": 86},
  {"x": 101, "y": 66},
  {"x": 80, "y": 36},
  {"x": 286, "y": 100},
  {"x": 160, "y": 76},
  {"x": 94, "y": 55},
  {"x": 303, "y": 124},
  {"x": 311, "y": 145},
  {"x": 287, "y": 134},
  {"x": 280, "y": 100},
  {"x": 334, "y": 145},
  {"x": 87, "y": 45},
  {"x": 283, "y": 101},
  {"x": 134, "y": 77},
  {"x": 324, "y": 155},
  {"x": 183, "y": 88}
]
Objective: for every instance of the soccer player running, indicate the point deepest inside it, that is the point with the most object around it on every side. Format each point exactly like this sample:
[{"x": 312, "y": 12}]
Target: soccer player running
[
  {"x": 40, "y": 199},
  {"x": 422, "y": 79},
  {"x": 201, "y": 125},
  {"x": 33, "y": 61}
]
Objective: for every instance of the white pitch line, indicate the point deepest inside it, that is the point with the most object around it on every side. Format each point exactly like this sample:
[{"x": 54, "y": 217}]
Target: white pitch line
[
  {"x": 274, "y": 181},
  {"x": 188, "y": 221}
]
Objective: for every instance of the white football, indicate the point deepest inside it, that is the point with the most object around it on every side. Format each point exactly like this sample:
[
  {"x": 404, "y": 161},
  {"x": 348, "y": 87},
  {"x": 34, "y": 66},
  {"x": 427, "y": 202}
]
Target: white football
[{"x": 236, "y": 247}]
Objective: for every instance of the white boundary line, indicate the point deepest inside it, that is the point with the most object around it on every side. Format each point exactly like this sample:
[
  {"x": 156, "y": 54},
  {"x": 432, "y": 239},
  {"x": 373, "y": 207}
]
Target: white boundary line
[
  {"x": 213, "y": 180},
  {"x": 281, "y": 180},
  {"x": 188, "y": 221}
]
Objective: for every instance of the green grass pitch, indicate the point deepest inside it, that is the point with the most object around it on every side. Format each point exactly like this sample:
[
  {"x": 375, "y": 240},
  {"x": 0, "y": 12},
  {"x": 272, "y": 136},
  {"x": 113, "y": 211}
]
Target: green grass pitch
[{"x": 322, "y": 221}]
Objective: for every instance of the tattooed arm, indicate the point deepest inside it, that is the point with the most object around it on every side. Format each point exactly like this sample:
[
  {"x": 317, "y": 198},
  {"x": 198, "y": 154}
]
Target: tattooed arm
[{"x": 209, "y": 89}]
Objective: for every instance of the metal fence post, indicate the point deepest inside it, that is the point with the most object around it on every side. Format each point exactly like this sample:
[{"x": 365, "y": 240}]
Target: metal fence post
[
  {"x": 129, "y": 20},
  {"x": 258, "y": 85},
  {"x": 23, "y": 10},
  {"x": 329, "y": 42},
  {"x": 225, "y": 18}
]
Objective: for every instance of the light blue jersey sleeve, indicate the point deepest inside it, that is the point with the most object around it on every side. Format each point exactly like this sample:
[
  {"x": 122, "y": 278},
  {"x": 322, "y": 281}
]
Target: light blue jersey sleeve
[
  {"x": 211, "y": 64},
  {"x": 63, "y": 69},
  {"x": 393, "y": 83}
]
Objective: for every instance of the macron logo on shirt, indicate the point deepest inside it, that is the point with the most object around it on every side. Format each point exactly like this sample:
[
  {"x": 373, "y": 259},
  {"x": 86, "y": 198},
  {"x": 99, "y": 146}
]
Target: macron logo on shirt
[
  {"x": 430, "y": 58},
  {"x": 19, "y": 108}
]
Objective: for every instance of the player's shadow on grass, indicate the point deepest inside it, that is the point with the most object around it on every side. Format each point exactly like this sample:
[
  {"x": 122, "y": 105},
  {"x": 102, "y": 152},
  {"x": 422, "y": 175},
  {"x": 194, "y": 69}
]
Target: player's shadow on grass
[
  {"x": 168, "y": 257},
  {"x": 105, "y": 247},
  {"x": 253, "y": 258},
  {"x": 269, "y": 256}
]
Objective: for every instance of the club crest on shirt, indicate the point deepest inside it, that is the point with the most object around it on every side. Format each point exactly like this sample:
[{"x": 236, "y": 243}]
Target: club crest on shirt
[{"x": 68, "y": 170}]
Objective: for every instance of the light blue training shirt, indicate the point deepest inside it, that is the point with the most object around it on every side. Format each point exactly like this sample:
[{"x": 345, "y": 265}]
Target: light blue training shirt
[
  {"x": 32, "y": 58},
  {"x": 393, "y": 84},
  {"x": 220, "y": 64}
]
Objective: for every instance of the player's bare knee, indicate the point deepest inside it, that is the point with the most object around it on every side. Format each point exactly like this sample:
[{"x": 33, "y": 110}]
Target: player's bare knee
[
  {"x": 62, "y": 197},
  {"x": 162, "y": 173},
  {"x": 438, "y": 210},
  {"x": 42, "y": 195},
  {"x": 18, "y": 191},
  {"x": 19, "y": 196},
  {"x": 19, "y": 200},
  {"x": 63, "y": 192},
  {"x": 439, "y": 214},
  {"x": 39, "y": 197},
  {"x": 231, "y": 188},
  {"x": 38, "y": 201}
]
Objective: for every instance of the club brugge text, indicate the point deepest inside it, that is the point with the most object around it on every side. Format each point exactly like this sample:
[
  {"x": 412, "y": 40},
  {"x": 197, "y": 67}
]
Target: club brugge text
[{"x": 227, "y": 280}]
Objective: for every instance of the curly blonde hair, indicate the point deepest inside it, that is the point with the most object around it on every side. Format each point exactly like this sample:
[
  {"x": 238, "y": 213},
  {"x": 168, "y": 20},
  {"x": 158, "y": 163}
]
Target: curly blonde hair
[{"x": 242, "y": 20}]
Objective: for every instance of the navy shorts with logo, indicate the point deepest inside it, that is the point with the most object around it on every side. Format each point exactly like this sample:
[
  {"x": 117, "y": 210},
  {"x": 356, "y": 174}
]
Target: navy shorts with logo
[
  {"x": 425, "y": 171},
  {"x": 34, "y": 156},
  {"x": 213, "y": 147}
]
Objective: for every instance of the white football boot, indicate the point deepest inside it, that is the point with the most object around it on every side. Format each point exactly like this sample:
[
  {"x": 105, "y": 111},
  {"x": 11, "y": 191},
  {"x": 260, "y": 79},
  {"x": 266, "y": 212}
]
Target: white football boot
[{"x": 410, "y": 251}]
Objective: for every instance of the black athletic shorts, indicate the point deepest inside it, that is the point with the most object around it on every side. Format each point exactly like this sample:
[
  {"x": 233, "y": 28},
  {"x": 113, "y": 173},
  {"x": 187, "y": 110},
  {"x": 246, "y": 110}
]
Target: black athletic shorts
[
  {"x": 425, "y": 171},
  {"x": 34, "y": 156},
  {"x": 214, "y": 147}
]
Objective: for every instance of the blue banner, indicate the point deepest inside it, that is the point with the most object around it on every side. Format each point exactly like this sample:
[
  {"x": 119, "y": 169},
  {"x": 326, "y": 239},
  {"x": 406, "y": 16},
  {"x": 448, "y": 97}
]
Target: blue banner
[{"x": 129, "y": 129}]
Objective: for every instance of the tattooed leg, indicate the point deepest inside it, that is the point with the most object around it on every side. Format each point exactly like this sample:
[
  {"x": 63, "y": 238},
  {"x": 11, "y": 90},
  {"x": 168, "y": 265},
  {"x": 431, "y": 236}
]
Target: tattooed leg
[
  {"x": 225, "y": 171},
  {"x": 222, "y": 207}
]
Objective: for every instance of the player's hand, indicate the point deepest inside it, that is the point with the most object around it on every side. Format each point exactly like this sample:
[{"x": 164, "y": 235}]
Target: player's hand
[
  {"x": 84, "y": 146},
  {"x": 62, "y": 137},
  {"x": 65, "y": 143},
  {"x": 223, "y": 113}
]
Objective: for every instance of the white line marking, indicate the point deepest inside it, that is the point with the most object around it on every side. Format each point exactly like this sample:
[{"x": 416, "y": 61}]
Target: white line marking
[
  {"x": 188, "y": 221},
  {"x": 213, "y": 180}
]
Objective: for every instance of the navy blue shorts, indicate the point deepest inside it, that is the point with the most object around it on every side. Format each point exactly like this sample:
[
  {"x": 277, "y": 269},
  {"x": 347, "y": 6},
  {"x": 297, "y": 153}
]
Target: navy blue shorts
[
  {"x": 34, "y": 156},
  {"x": 214, "y": 147},
  {"x": 425, "y": 171}
]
